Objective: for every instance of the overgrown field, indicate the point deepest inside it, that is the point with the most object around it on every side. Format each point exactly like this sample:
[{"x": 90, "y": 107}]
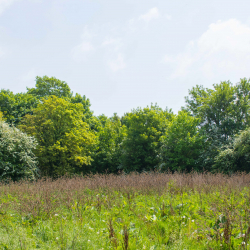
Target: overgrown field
[{"x": 136, "y": 211}]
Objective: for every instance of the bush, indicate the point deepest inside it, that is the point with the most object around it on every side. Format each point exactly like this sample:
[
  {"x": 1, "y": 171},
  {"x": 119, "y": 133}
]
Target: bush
[
  {"x": 236, "y": 157},
  {"x": 17, "y": 160}
]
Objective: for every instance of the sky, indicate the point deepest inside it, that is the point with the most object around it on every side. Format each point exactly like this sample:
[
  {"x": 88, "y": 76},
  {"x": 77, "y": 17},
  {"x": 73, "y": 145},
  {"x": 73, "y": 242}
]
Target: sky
[{"x": 124, "y": 54}]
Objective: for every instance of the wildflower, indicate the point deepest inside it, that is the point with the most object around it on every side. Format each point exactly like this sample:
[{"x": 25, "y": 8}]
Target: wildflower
[
  {"x": 57, "y": 238},
  {"x": 243, "y": 243},
  {"x": 183, "y": 217},
  {"x": 56, "y": 215},
  {"x": 192, "y": 220}
]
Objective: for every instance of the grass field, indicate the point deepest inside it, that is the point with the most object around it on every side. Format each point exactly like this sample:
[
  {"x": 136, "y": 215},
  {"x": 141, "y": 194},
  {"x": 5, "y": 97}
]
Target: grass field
[{"x": 136, "y": 211}]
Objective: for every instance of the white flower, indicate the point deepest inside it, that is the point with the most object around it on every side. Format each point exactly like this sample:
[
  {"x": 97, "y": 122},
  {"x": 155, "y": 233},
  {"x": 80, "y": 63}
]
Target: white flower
[
  {"x": 56, "y": 215},
  {"x": 192, "y": 220}
]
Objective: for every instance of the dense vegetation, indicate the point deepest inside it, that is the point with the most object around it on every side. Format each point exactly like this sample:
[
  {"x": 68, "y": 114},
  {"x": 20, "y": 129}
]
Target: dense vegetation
[
  {"x": 49, "y": 131},
  {"x": 147, "y": 211}
]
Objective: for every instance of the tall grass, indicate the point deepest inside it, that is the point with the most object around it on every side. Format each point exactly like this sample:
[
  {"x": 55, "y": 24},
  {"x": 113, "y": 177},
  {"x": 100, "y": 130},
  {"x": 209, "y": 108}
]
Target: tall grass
[{"x": 135, "y": 211}]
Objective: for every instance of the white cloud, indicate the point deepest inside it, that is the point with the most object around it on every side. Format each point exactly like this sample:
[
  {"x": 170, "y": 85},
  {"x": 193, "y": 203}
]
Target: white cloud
[
  {"x": 117, "y": 64},
  {"x": 4, "y": 4},
  {"x": 151, "y": 14},
  {"x": 79, "y": 52},
  {"x": 115, "y": 43},
  {"x": 85, "y": 47},
  {"x": 87, "y": 34},
  {"x": 223, "y": 48}
]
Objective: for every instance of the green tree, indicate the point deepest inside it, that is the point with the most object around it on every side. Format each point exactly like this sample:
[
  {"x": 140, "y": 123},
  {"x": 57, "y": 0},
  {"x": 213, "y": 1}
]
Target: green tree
[
  {"x": 17, "y": 160},
  {"x": 88, "y": 116},
  {"x": 140, "y": 148},
  {"x": 182, "y": 144},
  {"x": 15, "y": 106},
  {"x": 223, "y": 112},
  {"x": 235, "y": 156},
  {"x": 65, "y": 141},
  {"x": 110, "y": 136},
  {"x": 47, "y": 86}
]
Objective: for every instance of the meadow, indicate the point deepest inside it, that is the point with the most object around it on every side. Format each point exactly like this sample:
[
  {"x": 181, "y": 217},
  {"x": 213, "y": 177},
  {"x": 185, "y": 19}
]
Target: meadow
[{"x": 136, "y": 211}]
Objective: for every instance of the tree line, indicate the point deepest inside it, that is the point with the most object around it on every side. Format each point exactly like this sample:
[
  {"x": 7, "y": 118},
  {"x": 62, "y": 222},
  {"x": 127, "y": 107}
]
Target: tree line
[{"x": 49, "y": 131}]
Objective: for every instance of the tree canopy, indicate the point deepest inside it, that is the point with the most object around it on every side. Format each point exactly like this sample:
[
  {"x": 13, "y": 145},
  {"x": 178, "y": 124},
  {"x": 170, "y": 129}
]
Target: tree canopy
[
  {"x": 59, "y": 134},
  {"x": 65, "y": 141}
]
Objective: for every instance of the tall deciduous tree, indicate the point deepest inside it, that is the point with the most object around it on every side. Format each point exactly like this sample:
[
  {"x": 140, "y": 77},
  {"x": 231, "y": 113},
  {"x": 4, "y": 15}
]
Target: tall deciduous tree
[
  {"x": 182, "y": 144},
  {"x": 47, "y": 86},
  {"x": 15, "y": 106},
  {"x": 223, "y": 112},
  {"x": 141, "y": 145},
  {"x": 65, "y": 141},
  {"x": 110, "y": 136}
]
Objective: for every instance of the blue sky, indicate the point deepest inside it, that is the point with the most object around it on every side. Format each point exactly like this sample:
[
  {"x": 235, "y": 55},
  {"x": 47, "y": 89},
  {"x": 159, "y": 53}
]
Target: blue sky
[{"x": 124, "y": 54}]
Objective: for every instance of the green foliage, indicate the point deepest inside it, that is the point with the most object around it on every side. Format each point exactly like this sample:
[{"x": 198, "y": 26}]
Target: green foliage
[
  {"x": 223, "y": 112},
  {"x": 65, "y": 141},
  {"x": 182, "y": 144},
  {"x": 236, "y": 157},
  {"x": 88, "y": 116},
  {"x": 110, "y": 136},
  {"x": 225, "y": 161},
  {"x": 140, "y": 148},
  {"x": 47, "y": 86},
  {"x": 15, "y": 106},
  {"x": 17, "y": 160}
]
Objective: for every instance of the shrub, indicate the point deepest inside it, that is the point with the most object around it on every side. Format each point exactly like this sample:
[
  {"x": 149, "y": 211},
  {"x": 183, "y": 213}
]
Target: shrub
[
  {"x": 236, "y": 157},
  {"x": 17, "y": 160}
]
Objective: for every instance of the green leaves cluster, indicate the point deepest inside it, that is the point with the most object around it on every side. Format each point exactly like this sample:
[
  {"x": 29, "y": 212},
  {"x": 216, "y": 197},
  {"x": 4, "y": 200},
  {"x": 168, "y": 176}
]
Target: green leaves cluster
[
  {"x": 223, "y": 112},
  {"x": 236, "y": 156},
  {"x": 182, "y": 144},
  {"x": 17, "y": 160},
  {"x": 15, "y": 106},
  {"x": 111, "y": 134},
  {"x": 65, "y": 141},
  {"x": 140, "y": 147}
]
